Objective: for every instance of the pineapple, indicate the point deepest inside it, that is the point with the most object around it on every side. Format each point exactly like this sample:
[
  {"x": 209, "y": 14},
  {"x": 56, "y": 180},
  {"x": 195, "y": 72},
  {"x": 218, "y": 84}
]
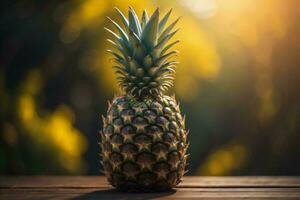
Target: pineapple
[{"x": 144, "y": 140}]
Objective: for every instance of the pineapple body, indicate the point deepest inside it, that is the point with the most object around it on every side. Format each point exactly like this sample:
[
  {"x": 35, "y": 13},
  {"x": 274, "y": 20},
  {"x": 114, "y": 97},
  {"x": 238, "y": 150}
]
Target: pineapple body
[
  {"x": 144, "y": 144},
  {"x": 144, "y": 140}
]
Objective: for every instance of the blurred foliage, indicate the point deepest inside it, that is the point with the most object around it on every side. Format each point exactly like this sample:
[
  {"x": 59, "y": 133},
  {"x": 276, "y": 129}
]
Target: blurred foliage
[{"x": 238, "y": 82}]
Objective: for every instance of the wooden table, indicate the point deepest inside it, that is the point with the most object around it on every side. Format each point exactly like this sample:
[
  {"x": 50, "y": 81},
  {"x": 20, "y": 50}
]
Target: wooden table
[{"x": 96, "y": 187}]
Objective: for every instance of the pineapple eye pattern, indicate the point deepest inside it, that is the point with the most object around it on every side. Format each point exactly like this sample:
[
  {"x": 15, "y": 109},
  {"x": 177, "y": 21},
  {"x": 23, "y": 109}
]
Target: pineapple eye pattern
[{"x": 140, "y": 148}]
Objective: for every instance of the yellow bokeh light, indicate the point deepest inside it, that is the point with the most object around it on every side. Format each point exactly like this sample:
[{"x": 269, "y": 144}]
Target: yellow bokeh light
[
  {"x": 87, "y": 14},
  {"x": 26, "y": 108},
  {"x": 34, "y": 82},
  {"x": 224, "y": 161},
  {"x": 54, "y": 131},
  {"x": 59, "y": 128},
  {"x": 198, "y": 59}
]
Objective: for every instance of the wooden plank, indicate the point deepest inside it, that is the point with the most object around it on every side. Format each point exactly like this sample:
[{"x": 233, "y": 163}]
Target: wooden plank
[
  {"x": 53, "y": 182},
  {"x": 96, "y": 187},
  {"x": 241, "y": 181},
  {"x": 180, "y": 193},
  {"x": 188, "y": 182}
]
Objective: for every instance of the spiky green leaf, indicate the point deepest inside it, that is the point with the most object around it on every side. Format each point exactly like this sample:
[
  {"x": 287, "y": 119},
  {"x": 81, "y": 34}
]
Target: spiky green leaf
[
  {"x": 119, "y": 39},
  {"x": 123, "y": 18},
  {"x": 163, "y": 42},
  {"x": 125, "y": 54},
  {"x": 163, "y": 22},
  {"x": 120, "y": 30},
  {"x": 165, "y": 49},
  {"x": 168, "y": 29},
  {"x": 144, "y": 19},
  {"x": 149, "y": 36},
  {"x": 163, "y": 58},
  {"x": 138, "y": 50},
  {"x": 134, "y": 23}
]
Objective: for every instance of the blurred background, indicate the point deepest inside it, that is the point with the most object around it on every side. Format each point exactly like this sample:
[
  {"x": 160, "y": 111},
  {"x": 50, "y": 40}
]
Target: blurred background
[{"x": 238, "y": 82}]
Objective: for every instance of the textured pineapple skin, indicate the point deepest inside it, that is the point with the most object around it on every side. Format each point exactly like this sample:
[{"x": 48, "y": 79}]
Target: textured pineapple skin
[{"x": 144, "y": 144}]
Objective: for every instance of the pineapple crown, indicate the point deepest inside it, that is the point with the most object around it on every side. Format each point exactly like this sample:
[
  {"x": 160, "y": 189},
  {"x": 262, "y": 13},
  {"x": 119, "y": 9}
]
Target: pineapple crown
[{"x": 145, "y": 67}]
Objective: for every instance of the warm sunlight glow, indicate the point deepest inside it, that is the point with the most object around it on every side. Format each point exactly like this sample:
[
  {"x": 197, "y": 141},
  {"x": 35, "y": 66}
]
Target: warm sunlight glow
[{"x": 202, "y": 8}]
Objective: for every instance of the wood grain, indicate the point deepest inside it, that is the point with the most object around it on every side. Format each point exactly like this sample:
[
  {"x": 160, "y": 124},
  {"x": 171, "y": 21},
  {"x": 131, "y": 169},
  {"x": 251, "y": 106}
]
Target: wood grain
[{"x": 96, "y": 187}]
